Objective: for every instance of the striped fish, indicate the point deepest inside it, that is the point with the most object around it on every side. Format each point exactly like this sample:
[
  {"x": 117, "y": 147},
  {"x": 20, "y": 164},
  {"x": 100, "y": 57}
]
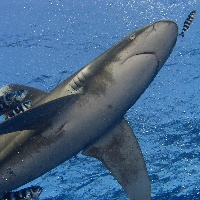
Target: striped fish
[
  {"x": 22, "y": 107},
  {"x": 30, "y": 193},
  {"x": 9, "y": 100},
  {"x": 187, "y": 22},
  {"x": 21, "y": 94}
]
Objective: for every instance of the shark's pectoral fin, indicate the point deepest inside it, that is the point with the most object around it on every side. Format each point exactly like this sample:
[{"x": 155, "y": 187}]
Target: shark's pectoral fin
[
  {"x": 33, "y": 94},
  {"x": 121, "y": 154},
  {"x": 37, "y": 117}
]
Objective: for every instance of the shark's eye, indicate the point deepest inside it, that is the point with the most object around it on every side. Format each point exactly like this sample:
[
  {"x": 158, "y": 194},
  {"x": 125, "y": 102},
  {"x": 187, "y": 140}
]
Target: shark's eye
[{"x": 132, "y": 37}]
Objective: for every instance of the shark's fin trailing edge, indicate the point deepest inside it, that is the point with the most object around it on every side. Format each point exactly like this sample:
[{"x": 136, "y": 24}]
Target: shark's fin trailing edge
[{"x": 121, "y": 154}]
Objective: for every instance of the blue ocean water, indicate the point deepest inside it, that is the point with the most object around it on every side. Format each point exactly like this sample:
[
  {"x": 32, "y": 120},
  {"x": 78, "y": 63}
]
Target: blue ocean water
[{"x": 43, "y": 42}]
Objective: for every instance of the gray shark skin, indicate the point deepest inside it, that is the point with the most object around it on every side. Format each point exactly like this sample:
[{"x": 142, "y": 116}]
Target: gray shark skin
[{"x": 86, "y": 112}]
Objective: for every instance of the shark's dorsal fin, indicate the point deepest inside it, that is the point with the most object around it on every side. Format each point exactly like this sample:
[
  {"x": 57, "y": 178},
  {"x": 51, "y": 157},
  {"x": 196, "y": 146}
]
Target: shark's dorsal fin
[
  {"x": 121, "y": 154},
  {"x": 36, "y": 117},
  {"x": 33, "y": 94}
]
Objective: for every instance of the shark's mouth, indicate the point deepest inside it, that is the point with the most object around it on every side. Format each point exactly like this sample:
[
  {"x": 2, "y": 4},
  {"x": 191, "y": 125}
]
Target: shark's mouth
[
  {"x": 150, "y": 53},
  {"x": 154, "y": 53}
]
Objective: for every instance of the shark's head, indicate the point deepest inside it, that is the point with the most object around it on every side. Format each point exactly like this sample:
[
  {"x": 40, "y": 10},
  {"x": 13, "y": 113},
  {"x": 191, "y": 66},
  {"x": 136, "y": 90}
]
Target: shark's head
[
  {"x": 130, "y": 66},
  {"x": 158, "y": 38},
  {"x": 142, "y": 55}
]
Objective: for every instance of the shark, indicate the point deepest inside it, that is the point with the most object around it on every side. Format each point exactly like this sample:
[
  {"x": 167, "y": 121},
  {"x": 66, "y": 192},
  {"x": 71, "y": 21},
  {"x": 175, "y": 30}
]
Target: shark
[{"x": 85, "y": 113}]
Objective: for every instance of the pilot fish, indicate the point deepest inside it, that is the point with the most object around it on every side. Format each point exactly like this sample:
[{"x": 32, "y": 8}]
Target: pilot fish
[
  {"x": 30, "y": 193},
  {"x": 21, "y": 94},
  {"x": 9, "y": 100},
  {"x": 187, "y": 22},
  {"x": 20, "y": 108}
]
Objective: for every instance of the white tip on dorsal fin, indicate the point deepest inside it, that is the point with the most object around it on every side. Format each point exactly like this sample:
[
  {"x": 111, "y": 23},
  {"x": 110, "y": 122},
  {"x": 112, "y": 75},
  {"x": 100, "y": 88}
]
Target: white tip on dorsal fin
[{"x": 119, "y": 150}]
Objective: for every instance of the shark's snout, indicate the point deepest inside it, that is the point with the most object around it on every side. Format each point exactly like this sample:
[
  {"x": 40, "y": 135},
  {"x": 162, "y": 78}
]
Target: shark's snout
[{"x": 161, "y": 37}]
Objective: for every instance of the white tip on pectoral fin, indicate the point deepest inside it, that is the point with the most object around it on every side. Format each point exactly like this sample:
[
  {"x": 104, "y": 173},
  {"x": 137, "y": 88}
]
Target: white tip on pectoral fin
[{"x": 121, "y": 154}]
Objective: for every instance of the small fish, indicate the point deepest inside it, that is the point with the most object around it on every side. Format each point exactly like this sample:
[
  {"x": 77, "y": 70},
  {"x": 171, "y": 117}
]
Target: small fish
[
  {"x": 22, "y": 107},
  {"x": 6, "y": 100},
  {"x": 9, "y": 100},
  {"x": 30, "y": 193},
  {"x": 21, "y": 94},
  {"x": 187, "y": 22}
]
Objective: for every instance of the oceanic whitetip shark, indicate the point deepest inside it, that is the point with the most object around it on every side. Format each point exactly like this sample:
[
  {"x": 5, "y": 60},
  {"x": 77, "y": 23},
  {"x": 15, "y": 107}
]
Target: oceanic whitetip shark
[{"x": 86, "y": 113}]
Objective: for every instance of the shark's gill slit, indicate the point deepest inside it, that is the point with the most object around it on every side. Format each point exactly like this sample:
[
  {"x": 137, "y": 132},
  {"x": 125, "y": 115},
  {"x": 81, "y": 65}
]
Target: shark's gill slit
[
  {"x": 84, "y": 77},
  {"x": 72, "y": 86},
  {"x": 75, "y": 82},
  {"x": 79, "y": 79}
]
